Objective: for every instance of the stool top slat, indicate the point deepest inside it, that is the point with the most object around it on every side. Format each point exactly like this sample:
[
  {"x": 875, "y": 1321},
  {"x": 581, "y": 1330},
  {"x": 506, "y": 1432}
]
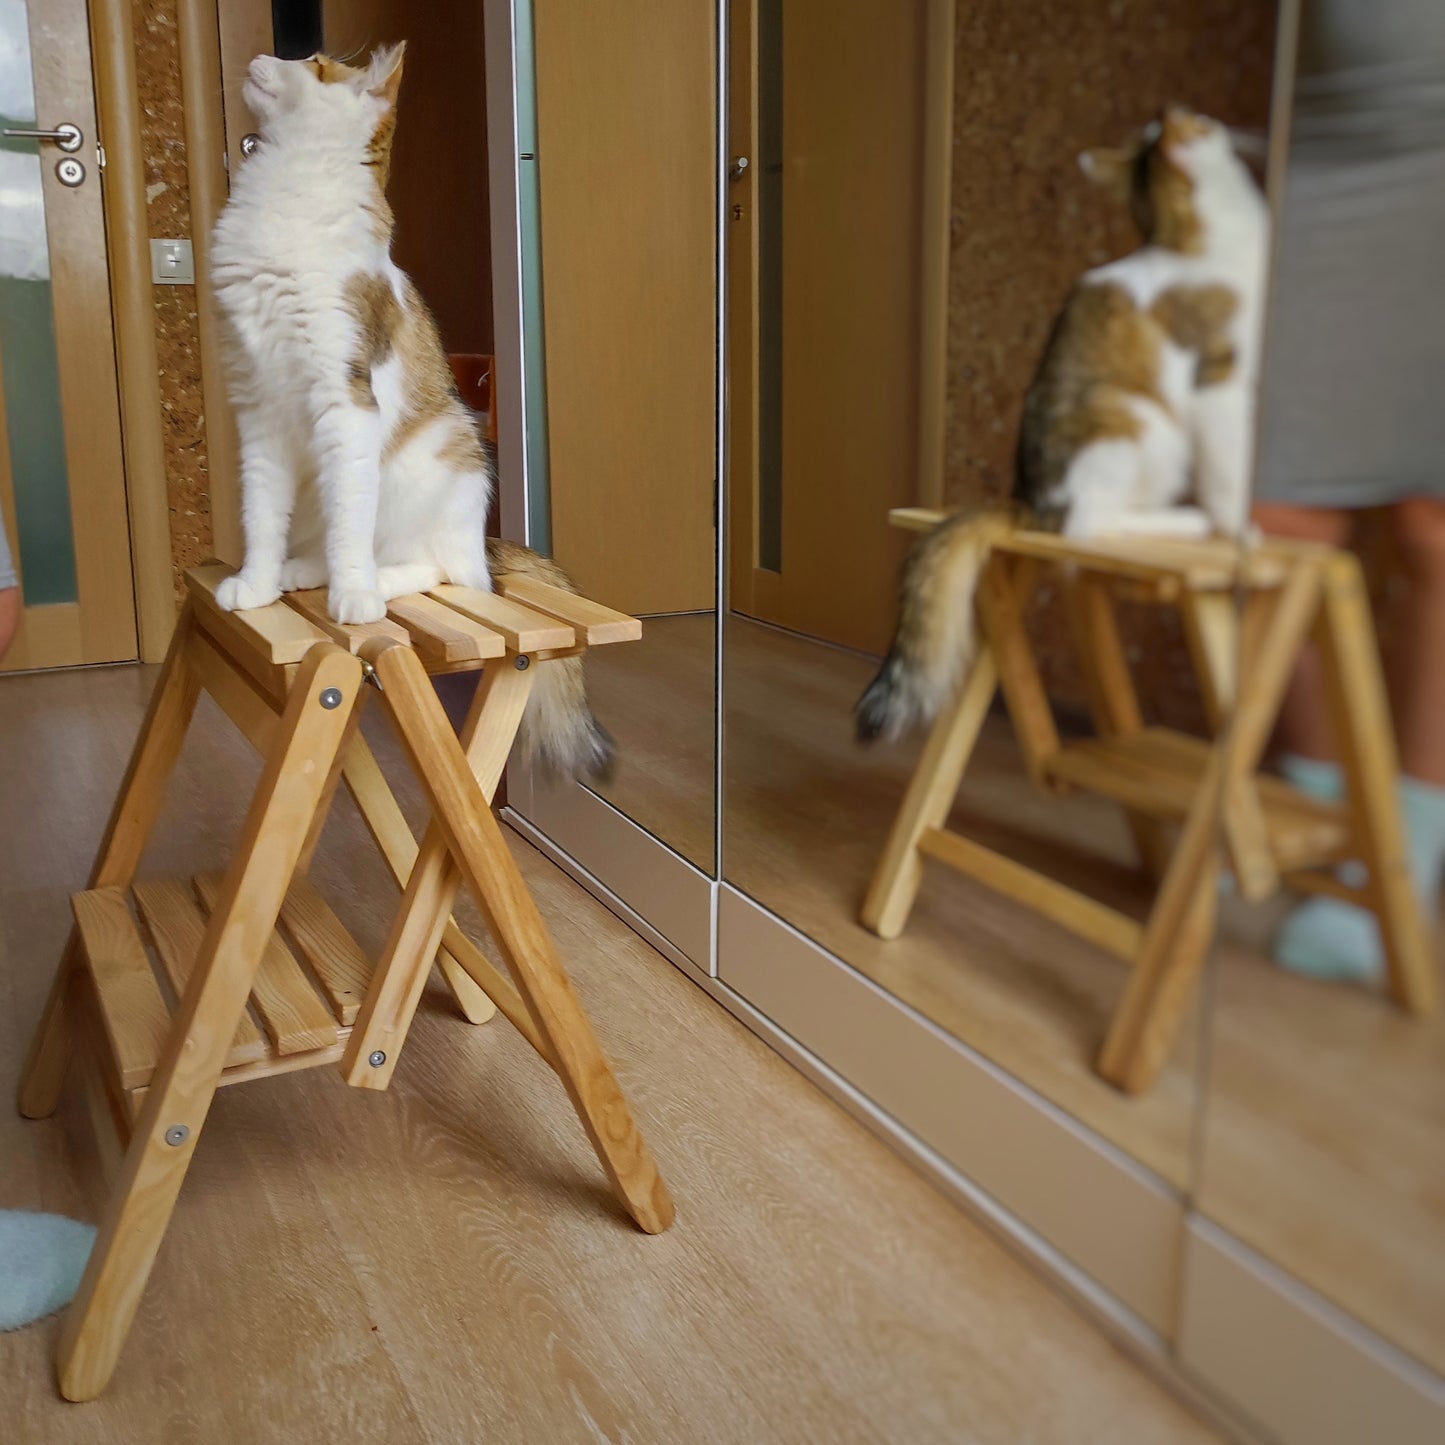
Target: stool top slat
[
  {"x": 277, "y": 634},
  {"x": 312, "y": 606},
  {"x": 441, "y": 634},
  {"x": 594, "y": 623},
  {"x": 1207, "y": 564},
  {"x": 524, "y": 629}
]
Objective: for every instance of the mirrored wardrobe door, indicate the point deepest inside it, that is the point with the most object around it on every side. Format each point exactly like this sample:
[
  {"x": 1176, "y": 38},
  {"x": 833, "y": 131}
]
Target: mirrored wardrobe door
[
  {"x": 971, "y": 796},
  {"x": 619, "y": 216},
  {"x": 1324, "y": 1130}
]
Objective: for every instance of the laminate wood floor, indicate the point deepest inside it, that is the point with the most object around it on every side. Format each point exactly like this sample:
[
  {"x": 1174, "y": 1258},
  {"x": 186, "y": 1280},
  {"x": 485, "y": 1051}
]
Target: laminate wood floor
[
  {"x": 1322, "y": 1124},
  {"x": 443, "y": 1262}
]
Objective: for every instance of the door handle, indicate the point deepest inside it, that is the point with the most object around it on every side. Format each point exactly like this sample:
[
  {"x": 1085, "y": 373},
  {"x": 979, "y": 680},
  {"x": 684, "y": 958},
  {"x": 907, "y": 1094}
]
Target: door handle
[{"x": 66, "y": 135}]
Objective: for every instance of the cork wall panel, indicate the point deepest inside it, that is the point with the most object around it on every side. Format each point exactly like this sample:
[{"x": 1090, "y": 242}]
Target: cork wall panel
[
  {"x": 177, "y": 340},
  {"x": 1037, "y": 82}
]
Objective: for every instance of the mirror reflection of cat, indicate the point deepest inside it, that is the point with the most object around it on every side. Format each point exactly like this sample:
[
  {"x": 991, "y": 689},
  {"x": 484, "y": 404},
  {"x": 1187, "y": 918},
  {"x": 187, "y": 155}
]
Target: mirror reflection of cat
[{"x": 1140, "y": 420}]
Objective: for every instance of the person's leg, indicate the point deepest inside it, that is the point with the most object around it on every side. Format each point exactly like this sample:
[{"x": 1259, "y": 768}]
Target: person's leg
[
  {"x": 1419, "y": 674},
  {"x": 1329, "y": 938}
]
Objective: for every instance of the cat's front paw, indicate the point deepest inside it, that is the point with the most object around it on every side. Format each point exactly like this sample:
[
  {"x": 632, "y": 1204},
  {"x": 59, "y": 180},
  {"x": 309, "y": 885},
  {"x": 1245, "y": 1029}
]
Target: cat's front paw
[
  {"x": 355, "y": 604},
  {"x": 300, "y": 574},
  {"x": 241, "y": 593}
]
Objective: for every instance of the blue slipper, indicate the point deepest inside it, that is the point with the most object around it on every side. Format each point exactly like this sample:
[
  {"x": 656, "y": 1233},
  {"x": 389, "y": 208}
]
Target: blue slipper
[{"x": 42, "y": 1257}]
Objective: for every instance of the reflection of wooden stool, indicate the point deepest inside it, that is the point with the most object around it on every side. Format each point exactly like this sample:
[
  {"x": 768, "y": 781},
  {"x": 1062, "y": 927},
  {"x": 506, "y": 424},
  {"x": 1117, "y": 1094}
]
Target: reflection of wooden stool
[
  {"x": 292, "y": 681},
  {"x": 1213, "y": 791}
]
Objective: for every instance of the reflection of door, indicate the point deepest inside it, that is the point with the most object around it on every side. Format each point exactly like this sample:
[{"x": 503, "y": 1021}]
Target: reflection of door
[
  {"x": 62, "y": 485},
  {"x": 829, "y": 268}
]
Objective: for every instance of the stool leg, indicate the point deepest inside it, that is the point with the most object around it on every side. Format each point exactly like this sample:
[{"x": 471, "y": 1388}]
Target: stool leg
[
  {"x": 1367, "y": 746},
  {"x": 137, "y": 806},
  {"x": 428, "y": 876},
  {"x": 929, "y": 797},
  {"x": 1181, "y": 923},
  {"x": 475, "y": 839},
  {"x": 1212, "y": 627},
  {"x": 179, "y": 1096},
  {"x": 1112, "y": 698}
]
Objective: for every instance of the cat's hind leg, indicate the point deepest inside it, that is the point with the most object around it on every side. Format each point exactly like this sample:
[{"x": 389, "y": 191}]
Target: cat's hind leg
[
  {"x": 462, "y": 548},
  {"x": 404, "y": 580},
  {"x": 300, "y": 574},
  {"x": 1099, "y": 488}
]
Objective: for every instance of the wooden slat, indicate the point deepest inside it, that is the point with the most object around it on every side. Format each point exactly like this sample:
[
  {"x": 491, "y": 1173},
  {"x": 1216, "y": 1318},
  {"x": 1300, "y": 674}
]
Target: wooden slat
[
  {"x": 383, "y": 816},
  {"x": 1080, "y": 914},
  {"x": 277, "y": 633},
  {"x": 295, "y": 1018},
  {"x": 177, "y": 926},
  {"x": 132, "y": 1009},
  {"x": 523, "y": 629},
  {"x": 232, "y": 691},
  {"x": 336, "y": 959},
  {"x": 441, "y": 634},
  {"x": 593, "y": 623},
  {"x": 312, "y": 606},
  {"x": 1210, "y": 564}
]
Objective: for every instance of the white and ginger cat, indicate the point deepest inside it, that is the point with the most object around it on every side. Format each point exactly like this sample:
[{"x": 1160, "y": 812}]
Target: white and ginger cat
[
  {"x": 1140, "y": 420},
  {"x": 361, "y": 469}
]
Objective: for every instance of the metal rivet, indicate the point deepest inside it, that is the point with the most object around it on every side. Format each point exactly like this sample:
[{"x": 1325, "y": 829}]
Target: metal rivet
[
  {"x": 331, "y": 697},
  {"x": 249, "y": 144},
  {"x": 177, "y": 1134},
  {"x": 376, "y": 1059},
  {"x": 523, "y": 663}
]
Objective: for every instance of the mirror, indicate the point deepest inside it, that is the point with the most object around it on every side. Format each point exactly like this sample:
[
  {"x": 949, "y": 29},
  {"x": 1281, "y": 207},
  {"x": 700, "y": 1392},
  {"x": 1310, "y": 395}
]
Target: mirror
[
  {"x": 1326, "y": 1110},
  {"x": 910, "y": 222},
  {"x": 626, "y": 212}
]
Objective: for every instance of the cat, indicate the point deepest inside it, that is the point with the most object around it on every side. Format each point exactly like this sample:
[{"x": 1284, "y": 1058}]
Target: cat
[
  {"x": 1140, "y": 418},
  {"x": 361, "y": 469}
]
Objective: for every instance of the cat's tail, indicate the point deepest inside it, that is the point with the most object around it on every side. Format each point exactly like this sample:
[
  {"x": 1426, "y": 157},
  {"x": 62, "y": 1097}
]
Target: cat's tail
[
  {"x": 934, "y": 643},
  {"x": 558, "y": 729}
]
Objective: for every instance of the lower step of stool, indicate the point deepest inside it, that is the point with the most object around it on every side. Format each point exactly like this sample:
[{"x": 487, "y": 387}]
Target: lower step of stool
[{"x": 140, "y": 947}]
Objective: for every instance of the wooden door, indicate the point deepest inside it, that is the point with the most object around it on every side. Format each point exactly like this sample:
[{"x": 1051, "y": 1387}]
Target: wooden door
[
  {"x": 626, "y": 164},
  {"x": 62, "y": 483},
  {"x": 838, "y": 226}
]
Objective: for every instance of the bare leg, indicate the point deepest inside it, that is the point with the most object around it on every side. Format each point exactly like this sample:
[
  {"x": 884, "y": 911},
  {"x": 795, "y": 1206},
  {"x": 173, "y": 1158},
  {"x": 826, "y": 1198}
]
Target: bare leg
[{"x": 1419, "y": 681}]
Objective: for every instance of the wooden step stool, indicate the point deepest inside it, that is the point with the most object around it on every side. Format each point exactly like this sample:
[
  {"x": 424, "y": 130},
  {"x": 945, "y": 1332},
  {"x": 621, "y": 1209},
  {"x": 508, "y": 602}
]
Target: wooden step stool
[
  {"x": 294, "y": 681},
  {"x": 1255, "y": 608}
]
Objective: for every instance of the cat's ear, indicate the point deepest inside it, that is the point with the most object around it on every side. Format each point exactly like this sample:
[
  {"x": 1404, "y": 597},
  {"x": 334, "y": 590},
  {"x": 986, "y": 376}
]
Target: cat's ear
[
  {"x": 383, "y": 75},
  {"x": 1110, "y": 168}
]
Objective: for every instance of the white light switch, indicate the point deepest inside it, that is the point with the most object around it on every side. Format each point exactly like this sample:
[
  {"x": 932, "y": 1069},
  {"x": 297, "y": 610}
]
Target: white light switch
[{"x": 172, "y": 263}]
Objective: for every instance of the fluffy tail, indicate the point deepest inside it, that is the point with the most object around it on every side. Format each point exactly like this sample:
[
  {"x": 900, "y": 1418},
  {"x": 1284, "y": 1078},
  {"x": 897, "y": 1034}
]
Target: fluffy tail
[
  {"x": 558, "y": 729},
  {"x": 934, "y": 642}
]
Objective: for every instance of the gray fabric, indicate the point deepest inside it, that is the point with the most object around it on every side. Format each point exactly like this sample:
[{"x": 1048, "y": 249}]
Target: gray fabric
[
  {"x": 7, "y": 565},
  {"x": 1354, "y": 389}
]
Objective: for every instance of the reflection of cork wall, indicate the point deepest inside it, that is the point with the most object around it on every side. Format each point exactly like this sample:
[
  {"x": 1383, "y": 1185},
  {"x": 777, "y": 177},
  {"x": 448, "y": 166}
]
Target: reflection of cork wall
[
  {"x": 177, "y": 344},
  {"x": 1036, "y": 83}
]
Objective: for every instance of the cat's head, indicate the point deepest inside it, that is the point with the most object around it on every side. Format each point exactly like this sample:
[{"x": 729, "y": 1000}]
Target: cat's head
[
  {"x": 1180, "y": 177},
  {"x": 321, "y": 100}
]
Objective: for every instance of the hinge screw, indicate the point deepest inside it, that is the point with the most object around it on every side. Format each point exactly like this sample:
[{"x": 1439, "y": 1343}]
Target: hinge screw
[
  {"x": 331, "y": 698},
  {"x": 177, "y": 1134},
  {"x": 523, "y": 663},
  {"x": 376, "y": 1059}
]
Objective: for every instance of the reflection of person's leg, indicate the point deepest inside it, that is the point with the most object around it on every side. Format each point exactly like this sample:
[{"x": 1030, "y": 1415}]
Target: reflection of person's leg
[{"x": 1327, "y": 937}]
